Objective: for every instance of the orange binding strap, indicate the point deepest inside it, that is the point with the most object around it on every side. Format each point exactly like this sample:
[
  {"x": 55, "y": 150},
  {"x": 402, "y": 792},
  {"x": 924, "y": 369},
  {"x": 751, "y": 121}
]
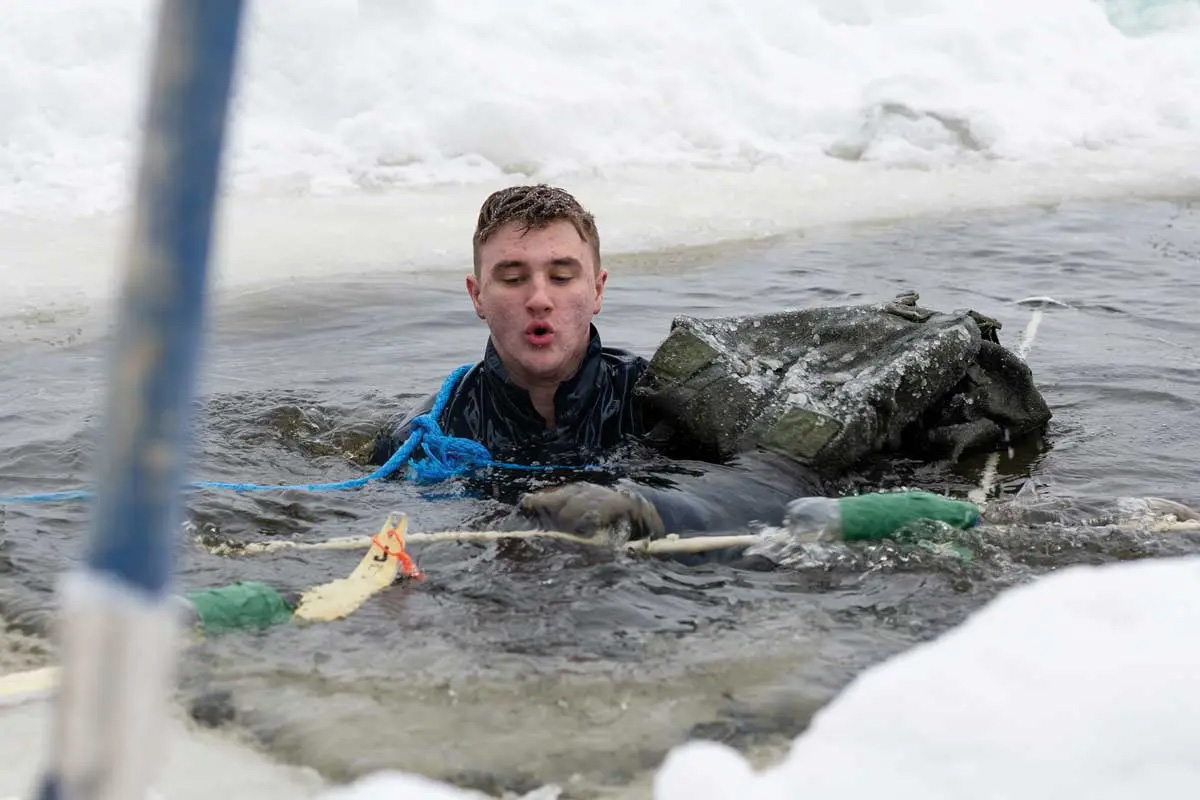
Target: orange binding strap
[{"x": 395, "y": 548}]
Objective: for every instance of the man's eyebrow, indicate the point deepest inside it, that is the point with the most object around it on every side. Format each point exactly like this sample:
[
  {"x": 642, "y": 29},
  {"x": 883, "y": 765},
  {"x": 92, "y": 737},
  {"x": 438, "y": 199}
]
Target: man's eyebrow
[
  {"x": 511, "y": 263},
  {"x": 516, "y": 263}
]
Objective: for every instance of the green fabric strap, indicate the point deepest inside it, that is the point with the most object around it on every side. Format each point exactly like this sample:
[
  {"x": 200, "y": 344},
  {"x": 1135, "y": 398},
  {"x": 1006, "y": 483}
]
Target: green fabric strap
[
  {"x": 870, "y": 517},
  {"x": 248, "y": 604}
]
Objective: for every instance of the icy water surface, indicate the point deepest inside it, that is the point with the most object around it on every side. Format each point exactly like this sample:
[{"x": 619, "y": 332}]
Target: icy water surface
[{"x": 509, "y": 668}]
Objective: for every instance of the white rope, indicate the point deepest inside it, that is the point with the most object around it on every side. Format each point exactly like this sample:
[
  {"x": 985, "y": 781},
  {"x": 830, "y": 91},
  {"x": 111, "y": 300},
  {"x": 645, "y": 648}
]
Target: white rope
[
  {"x": 672, "y": 543},
  {"x": 1035, "y": 319},
  {"x": 987, "y": 481}
]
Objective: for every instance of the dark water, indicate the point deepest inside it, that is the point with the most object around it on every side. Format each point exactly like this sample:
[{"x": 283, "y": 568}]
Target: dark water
[{"x": 515, "y": 667}]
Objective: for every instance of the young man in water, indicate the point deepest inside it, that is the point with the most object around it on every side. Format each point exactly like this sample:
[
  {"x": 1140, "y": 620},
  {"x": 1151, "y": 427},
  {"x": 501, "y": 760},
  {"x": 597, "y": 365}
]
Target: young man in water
[{"x": 548, "y": 391}]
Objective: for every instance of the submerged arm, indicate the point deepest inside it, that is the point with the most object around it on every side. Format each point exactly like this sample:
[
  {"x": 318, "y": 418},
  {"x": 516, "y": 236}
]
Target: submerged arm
[
  {"x": 720, "y": 498},
  {"x": 699, "y": 499}
]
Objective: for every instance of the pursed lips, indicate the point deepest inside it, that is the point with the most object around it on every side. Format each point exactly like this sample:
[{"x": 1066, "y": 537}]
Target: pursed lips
[{"x": 539, "y": 333}]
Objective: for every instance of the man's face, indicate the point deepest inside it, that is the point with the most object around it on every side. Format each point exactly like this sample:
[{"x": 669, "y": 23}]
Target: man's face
[{"x": 538, "y": 290}]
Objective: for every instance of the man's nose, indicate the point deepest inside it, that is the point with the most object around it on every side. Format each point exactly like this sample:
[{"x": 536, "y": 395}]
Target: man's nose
[{"x": 538, "y": 299}]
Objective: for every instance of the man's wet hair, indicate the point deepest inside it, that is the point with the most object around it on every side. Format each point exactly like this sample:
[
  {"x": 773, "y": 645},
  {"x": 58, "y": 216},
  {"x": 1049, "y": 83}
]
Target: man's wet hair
[{"x": 533, "y": 207}]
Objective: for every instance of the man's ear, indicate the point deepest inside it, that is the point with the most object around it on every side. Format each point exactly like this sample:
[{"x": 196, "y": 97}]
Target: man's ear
[
  {"x": 473, "y": 288},
  {"x": 601, "y": 280}
]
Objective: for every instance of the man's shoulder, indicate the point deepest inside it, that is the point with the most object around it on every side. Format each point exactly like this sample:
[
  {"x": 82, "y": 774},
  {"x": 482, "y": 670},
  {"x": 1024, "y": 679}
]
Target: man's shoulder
[
  {"x": 621, "y": 354},
  {"x": 620, "y": 358},
  {"x": 451, "y": 391}
]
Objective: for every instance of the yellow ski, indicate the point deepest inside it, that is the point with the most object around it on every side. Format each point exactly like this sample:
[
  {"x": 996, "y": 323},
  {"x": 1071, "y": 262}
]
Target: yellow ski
[{"x": 377, "y": 571}]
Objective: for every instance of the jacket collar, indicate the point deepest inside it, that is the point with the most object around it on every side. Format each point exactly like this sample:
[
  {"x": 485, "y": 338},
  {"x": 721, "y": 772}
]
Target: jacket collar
[{"x": 572, "y": 396}]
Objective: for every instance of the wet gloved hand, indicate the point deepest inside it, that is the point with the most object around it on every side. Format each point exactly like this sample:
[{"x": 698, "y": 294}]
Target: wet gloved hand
[{"x": 587, "y": 508}]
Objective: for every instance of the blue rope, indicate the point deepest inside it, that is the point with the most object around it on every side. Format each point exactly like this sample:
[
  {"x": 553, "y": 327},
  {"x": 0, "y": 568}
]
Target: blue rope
[
  {"x": 49, "y": 497},
  {"x": 445, "y": 457}
]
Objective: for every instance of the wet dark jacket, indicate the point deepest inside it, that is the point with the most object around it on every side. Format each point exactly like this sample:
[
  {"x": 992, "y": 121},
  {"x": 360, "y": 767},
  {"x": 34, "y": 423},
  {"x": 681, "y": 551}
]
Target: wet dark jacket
[{"x": 596, "y": 412}]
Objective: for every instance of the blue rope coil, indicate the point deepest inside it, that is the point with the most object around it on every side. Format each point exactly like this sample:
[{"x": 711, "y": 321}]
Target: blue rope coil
[{"x": 445, "y": 457}]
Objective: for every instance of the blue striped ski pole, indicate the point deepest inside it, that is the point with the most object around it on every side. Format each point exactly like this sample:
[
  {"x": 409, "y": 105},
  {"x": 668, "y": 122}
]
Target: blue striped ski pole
[{"x": 118, "y": 624}]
